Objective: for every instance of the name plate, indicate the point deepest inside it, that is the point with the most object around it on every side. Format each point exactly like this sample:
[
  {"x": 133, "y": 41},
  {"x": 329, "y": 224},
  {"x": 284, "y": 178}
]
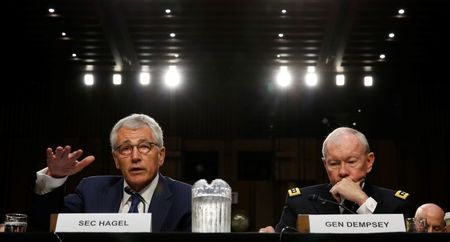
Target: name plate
[
  {"x": 104, "y": 222},
  {"x": 356, "y": 223}
]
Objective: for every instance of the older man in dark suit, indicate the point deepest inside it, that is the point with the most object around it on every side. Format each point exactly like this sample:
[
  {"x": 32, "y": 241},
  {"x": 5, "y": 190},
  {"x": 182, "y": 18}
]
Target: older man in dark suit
[{"x": 138, "y": 151}]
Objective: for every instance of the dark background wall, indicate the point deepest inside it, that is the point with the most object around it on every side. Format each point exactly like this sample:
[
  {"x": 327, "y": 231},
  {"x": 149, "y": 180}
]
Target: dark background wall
[{"x": 237, "y": 127}]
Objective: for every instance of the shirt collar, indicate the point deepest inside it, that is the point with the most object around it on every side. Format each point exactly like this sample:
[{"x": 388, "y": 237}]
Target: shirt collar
[{"x": 147, "y": 192}]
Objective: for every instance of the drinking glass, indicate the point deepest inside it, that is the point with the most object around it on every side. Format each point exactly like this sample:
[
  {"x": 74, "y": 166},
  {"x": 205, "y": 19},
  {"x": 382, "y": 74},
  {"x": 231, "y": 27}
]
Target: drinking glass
[
  {"x": 15, "y": 222},
  {"x": 416, "y": 225}
]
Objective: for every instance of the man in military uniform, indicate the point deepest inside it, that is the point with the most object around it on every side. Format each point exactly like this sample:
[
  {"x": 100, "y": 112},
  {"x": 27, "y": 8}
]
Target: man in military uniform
[{"x": 347, "y": 159}]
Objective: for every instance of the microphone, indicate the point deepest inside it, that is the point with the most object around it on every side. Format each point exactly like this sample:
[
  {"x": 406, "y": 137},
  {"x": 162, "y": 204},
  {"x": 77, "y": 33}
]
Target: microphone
[
  {"x": 132, "y": 192},
  {"x": 315, "y": 198}
]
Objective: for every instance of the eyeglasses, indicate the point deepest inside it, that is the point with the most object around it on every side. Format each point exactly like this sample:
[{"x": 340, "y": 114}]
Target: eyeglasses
[{"x": 143, "y": 148}]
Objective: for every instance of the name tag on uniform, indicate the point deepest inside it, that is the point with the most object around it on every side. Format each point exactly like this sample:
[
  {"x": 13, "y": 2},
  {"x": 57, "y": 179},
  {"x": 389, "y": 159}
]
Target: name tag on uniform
[
  {"x": 104, "y": 222},
  {"x": 356, "y": 223}
]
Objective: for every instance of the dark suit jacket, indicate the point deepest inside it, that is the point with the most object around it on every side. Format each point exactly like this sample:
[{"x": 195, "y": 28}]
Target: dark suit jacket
[
  {"x": 170, "y": 205},
  {"x": 387, "y": 202}
]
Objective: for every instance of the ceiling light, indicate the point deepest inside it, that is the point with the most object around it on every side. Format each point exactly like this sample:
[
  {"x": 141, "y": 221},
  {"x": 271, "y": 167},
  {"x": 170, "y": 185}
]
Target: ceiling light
[
  {"x": 391, "y": 35},
  {"x": 88, "y": 79},
  {"x": 311, "y": 79},
  {"x": 144, "y": 78},
  {"x": 311, "y": 69},
  {"x": 117, "y": 79},
  {"x": 172, "y": 77},
  {"x": 284, "y": 11},
  {"x": 168, "y": 11},
  {"x": 51, "y": 10},
  {"x": 280, "y": 35},
  {"x": 172, "y": 35},
  {"x": 368, "y": 81},
  {"x": 340, "y": 80},
  {"x": 283, "y": 78}
]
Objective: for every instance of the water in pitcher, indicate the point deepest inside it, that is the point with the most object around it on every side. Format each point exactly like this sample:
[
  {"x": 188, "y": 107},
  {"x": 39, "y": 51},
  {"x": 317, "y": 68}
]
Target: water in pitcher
[{"x": 211, "y": 206}]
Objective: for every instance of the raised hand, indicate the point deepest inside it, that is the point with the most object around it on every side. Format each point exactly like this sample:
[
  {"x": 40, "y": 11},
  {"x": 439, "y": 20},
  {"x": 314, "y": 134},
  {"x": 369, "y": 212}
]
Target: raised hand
[{"x": 62, "y": 162}]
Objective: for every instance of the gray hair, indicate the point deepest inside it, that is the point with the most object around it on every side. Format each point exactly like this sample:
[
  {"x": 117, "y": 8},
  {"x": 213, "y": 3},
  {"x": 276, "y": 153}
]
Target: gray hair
[
  {"x": 135, "y": 121},
  {"x": 337, "y": 133}
]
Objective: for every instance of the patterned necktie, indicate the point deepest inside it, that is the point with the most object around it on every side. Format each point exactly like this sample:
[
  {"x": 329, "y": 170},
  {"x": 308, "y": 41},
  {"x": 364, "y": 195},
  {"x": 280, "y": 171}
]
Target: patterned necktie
[{"x": 134, "y": 204}]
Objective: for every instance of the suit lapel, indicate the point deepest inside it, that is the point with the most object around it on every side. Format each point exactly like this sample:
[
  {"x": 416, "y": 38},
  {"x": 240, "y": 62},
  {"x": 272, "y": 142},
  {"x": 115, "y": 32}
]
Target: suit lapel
[
  {"x": 113, "y": 195},
  {"x": 161, "y": 203}
]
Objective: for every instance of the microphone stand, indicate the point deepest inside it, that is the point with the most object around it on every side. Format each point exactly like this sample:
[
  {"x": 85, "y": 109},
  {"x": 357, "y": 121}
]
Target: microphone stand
[
  {"x": 132, "y": 192},
  {"x": 315, "y": 197}
]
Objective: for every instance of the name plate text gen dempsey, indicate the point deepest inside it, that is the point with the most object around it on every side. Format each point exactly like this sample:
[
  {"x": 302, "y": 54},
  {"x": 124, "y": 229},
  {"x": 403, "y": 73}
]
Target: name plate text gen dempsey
[{"x": 356, "y": 223}]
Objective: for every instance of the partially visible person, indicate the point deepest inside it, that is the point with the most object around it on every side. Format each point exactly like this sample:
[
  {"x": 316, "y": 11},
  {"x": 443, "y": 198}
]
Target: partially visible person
[
  {"x": 434, "y": 216},
  {"x": 137, "y": 147},
  {"x": 347, "y": 160}
]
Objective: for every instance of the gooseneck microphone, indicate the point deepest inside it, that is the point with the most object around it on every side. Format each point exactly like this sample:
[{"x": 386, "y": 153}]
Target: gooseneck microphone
[
  {"x": 315, "y": 198},
  {"x": 132, "y": 192}
]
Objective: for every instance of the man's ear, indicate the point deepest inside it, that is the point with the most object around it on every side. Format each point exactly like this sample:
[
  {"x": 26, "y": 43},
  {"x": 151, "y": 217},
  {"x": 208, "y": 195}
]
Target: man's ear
[
  {"x": 370, "y": 161},
  {"x": 116, "y": 160},
  {"x": 161, "y": 155}
]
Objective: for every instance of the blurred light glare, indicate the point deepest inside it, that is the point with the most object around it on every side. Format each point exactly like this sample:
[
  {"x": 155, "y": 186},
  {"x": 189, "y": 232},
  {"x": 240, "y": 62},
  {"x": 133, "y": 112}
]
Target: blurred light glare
[
  {"x": 88, "y": 79},
  {"x": 311, "y": 69},
  {"x": 311, "y": 79},
  {"x": 117, "y": 79},
  {"x": 144, "y": 78},
  {"x": 340, "y": 80},
  {"x": 172, "y": 77},
  {"x": 368, "y": 81},
  {"x": 283, "y": 78}
]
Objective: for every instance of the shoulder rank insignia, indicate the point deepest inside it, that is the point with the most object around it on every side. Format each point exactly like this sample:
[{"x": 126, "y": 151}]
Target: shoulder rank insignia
[
  {"x": 401, "y": 194},
  {"x": 294, "y": 192}
]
